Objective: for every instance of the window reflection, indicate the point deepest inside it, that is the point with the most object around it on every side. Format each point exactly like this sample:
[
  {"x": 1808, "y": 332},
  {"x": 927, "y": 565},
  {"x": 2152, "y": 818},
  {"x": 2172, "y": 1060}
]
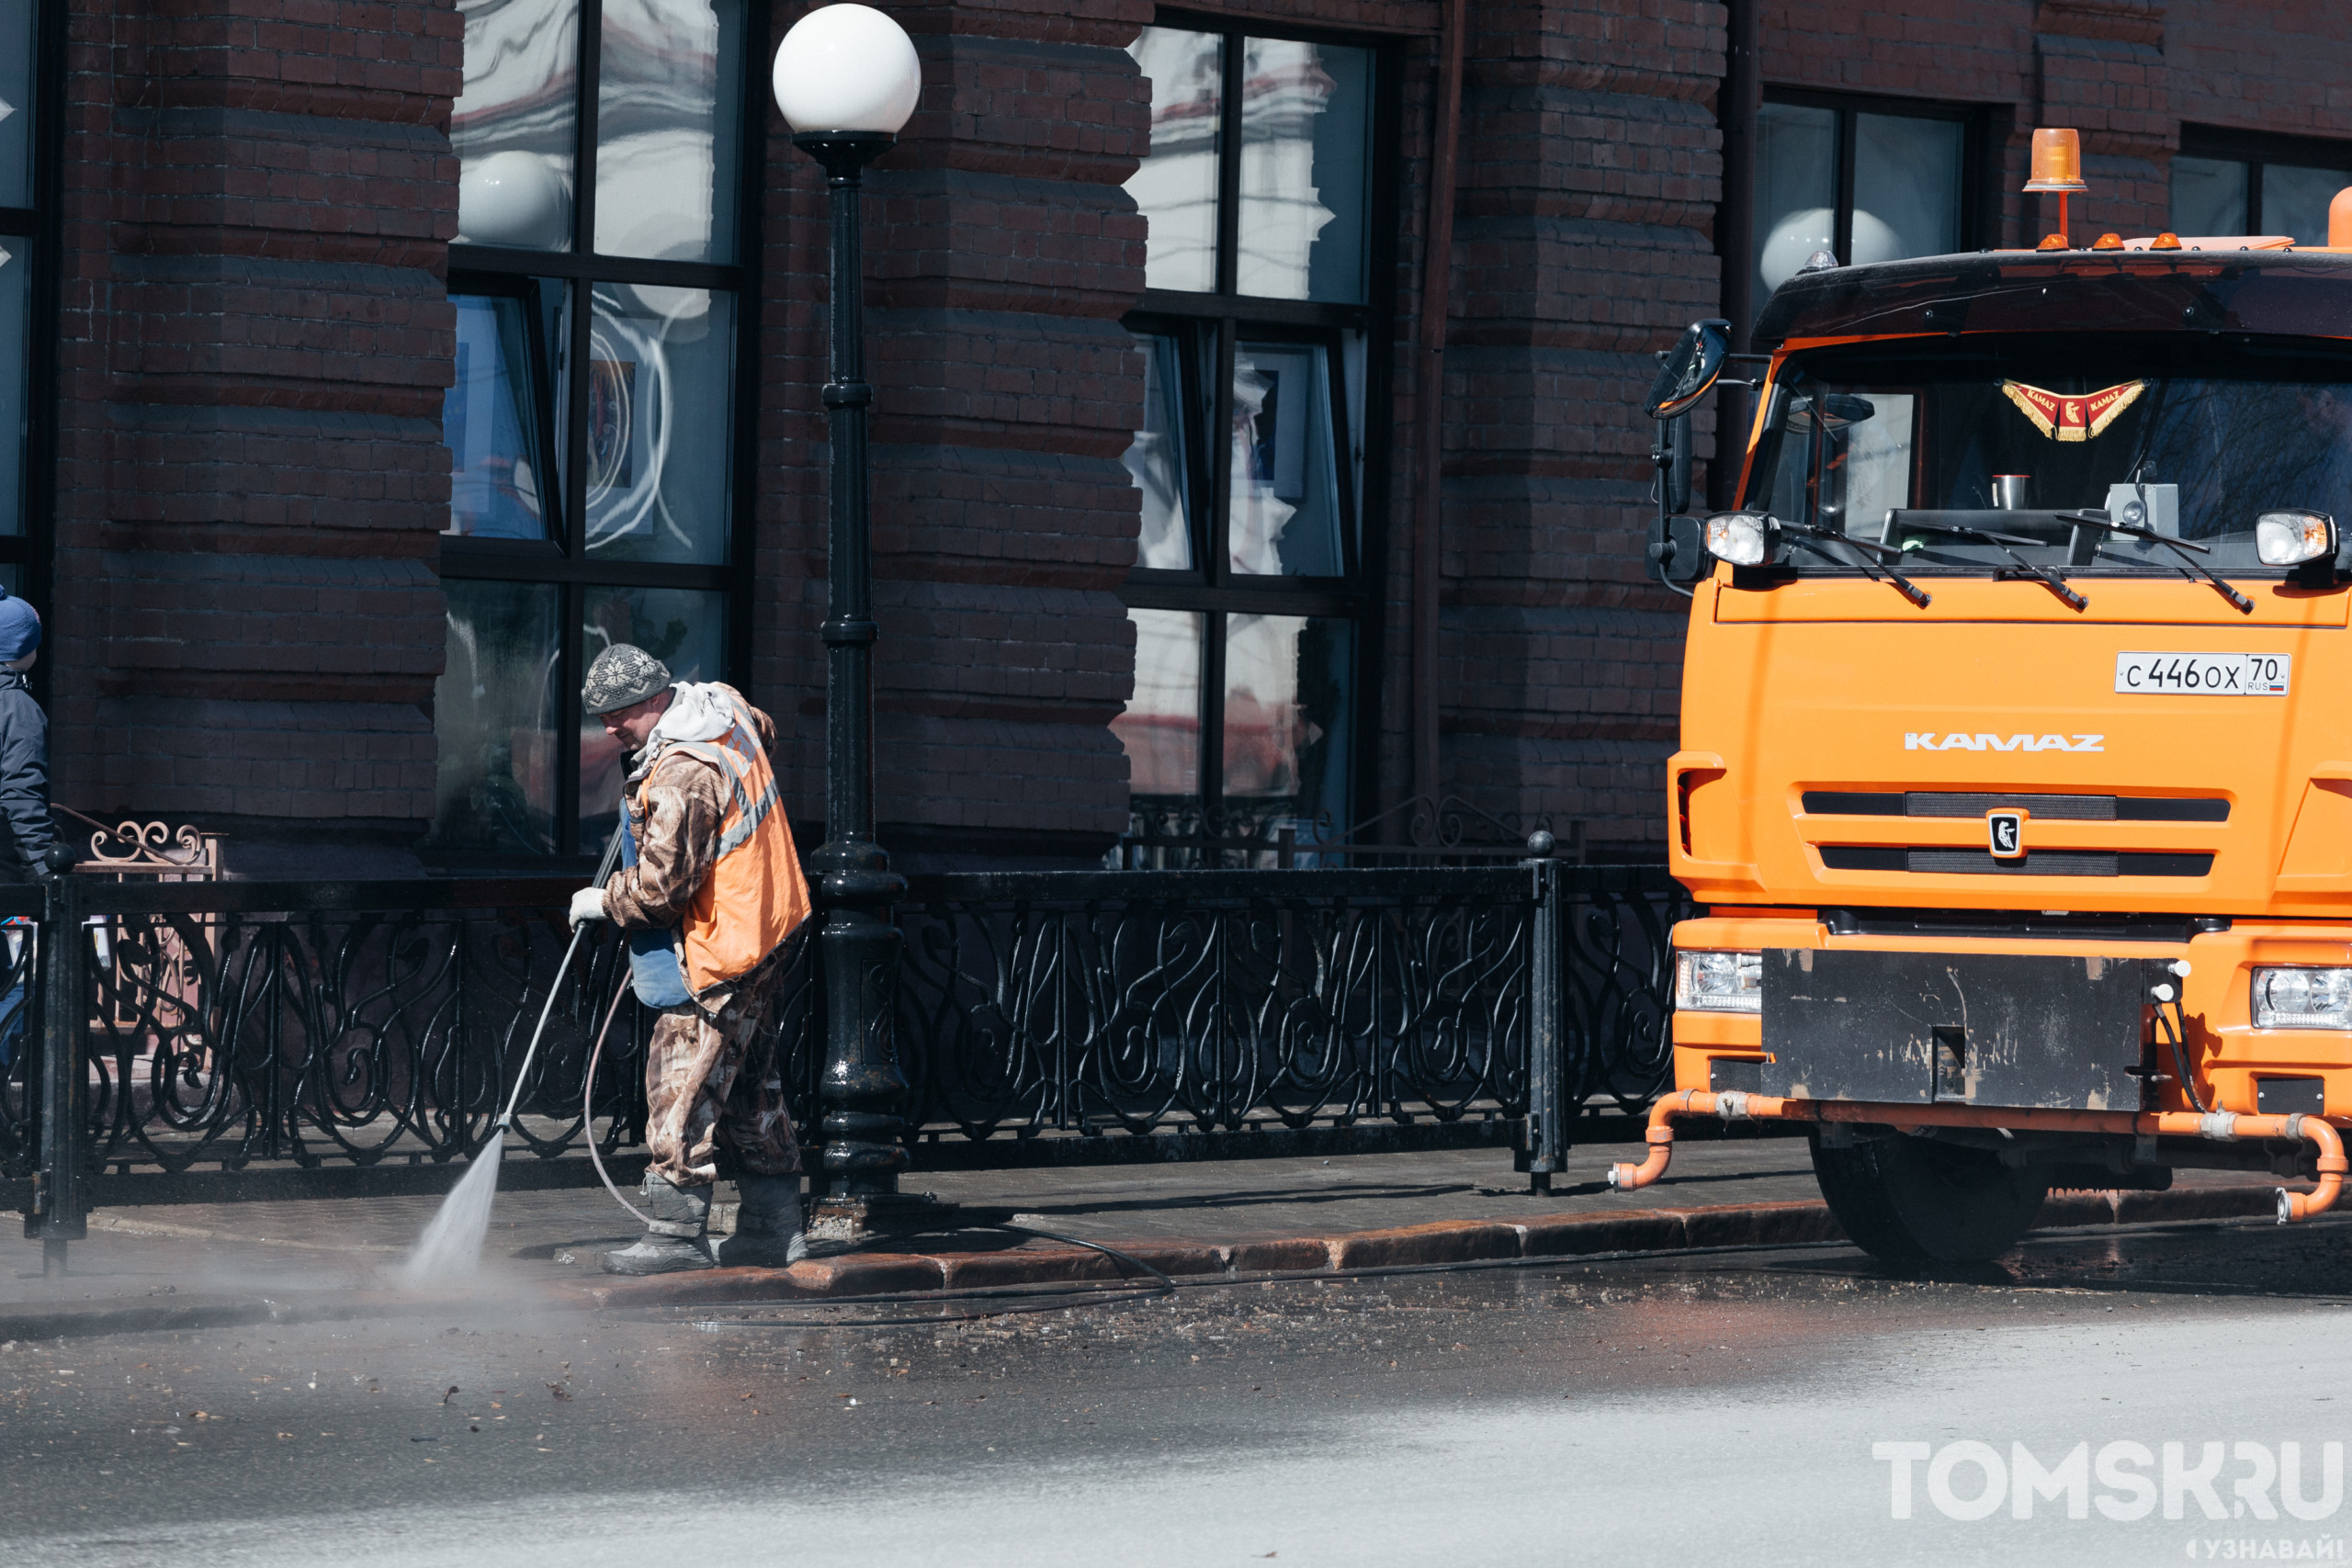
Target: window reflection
[
  {"x": 1286, "y": 713},
  {"x": 1306, "y": 126},
  {"x": 514, "y": 123},
  {"x": 495, "y": 713},
  {"x": 1157, "y": 460},
  {"x": 2222, "y": 196},
  {"x": 1907, "y": 185},
  {"x": 685, "y": 629},
  {"x": 660, "y": 366},
  {"x": 16, "y": 103},
  {"x": 16, "y": 329},
  {"x": 1796, "y": 190},
  {"x": 1250, "y": 440},
  {"x": 1906, "y": 188},
  {"x": 1285, "y": 517},
  {"x": 2295, "y": 198},
  {"x": 1161, "y": 725},
  {"x": 2208, "y": 196},
  {"x": 664, "y": 175},
  {"x": 492, "y": 419},
  {"x": 1175, "y": 187}
]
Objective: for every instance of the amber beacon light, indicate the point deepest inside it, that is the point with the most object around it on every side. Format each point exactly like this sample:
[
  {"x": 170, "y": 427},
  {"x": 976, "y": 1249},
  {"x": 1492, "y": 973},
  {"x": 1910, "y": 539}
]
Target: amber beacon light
[{"x": 2057, "y": 168}]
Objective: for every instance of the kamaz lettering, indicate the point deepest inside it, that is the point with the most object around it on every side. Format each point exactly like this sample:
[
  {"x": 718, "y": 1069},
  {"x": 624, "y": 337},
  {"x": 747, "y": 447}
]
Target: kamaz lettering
[{"x": 1925, "y": 741}]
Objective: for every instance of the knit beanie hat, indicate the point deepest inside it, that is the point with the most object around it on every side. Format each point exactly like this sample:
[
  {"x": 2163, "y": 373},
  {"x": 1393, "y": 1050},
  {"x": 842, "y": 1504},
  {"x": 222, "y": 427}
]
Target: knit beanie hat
[
  {"x": 19, "y": 627},
  {"x": 623, "y": 676}
]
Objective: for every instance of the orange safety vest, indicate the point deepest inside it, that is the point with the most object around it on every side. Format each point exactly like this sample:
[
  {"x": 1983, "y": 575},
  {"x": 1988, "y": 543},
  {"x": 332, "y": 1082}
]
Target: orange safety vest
[{"x": 756, "y": 896}]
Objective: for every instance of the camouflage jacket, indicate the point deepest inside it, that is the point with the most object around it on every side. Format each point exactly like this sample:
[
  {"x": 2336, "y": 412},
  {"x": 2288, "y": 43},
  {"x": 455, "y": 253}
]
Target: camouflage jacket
[{"x": 675, "y": 812}]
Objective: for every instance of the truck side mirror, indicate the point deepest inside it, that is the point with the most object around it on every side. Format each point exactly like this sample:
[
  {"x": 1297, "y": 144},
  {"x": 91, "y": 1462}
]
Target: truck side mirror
[
  {"x": 1677, "y": 555},
  {"x": 1688, "y": 369}
]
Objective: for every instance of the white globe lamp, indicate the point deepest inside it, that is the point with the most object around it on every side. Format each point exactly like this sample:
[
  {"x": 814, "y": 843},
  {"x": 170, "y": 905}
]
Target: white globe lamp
[
  {"x": 847, "y": 69},
  {"x": 511, "y": 199}
]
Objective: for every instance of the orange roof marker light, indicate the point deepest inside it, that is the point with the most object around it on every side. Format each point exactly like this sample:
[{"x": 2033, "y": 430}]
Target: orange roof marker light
[
  {"x": 2339, "y": 221},
  {"x": 2057, "y": 170},
  {"x": 2167, "y": 240},
  {"x": 2108, "y": 242}
]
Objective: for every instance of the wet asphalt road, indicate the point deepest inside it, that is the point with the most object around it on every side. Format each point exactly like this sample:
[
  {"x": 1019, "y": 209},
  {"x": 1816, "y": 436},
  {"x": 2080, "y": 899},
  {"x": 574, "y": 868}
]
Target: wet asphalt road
[{"x": 1613, "y": 1412}]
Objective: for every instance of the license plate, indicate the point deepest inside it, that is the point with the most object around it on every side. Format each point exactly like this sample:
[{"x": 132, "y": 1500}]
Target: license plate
[{"x": 2203, "y": 675}]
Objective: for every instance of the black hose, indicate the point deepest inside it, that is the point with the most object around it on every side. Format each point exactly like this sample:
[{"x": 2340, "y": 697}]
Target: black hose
[{"x": 2179, "y": 1054}]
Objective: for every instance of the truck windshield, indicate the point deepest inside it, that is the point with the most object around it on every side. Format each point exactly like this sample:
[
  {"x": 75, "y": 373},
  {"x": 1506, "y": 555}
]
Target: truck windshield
[{"x": 1925, "y": 445}]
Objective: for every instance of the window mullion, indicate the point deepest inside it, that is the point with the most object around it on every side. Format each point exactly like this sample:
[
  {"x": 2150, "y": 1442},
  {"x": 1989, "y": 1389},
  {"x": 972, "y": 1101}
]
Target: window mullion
[
  {"x": 1219, "y": 436},
  {"x": 1842, "y": 233},
  {"x": 1228, "y": 170},
  {"x": 1343, "y": 457},
  {"x": 569, "y": 677},
  {"x": 1213, "y": 722},
  {"x": 584, "y": 197},
  {"x": 572, "y": 530}
]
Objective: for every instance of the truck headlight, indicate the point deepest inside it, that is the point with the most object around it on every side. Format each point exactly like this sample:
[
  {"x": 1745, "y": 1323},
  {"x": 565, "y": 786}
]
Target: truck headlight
[
  {"x": 2285, "y": 538},
  {"x": 1719, "y": 982},
  {"x": 1743, "y": 538},
  {"x": 2302, "y": 999}
]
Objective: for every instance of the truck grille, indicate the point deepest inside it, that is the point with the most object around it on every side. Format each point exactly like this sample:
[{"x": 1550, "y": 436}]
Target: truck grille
[
  {"x": 2047, "y": 808},
  {"x": 2038, "y": 862}
]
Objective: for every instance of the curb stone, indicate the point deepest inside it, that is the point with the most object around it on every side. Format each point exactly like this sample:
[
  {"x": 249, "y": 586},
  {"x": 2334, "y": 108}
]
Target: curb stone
[
  {"x": 884, "y": 1274},
  {"x": 1446, "y": 1241}
]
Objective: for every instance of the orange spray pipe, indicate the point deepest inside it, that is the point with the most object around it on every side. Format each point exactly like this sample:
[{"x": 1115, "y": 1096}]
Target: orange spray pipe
[{"x": 2221, "y": 1126}]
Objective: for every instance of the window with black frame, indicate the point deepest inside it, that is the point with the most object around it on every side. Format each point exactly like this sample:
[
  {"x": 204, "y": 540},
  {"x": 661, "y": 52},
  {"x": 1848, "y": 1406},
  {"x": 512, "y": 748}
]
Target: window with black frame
[
  {"x": 1867, "y": 180},
  {"x": 603, "y": 289},
  {"x": 23, "y": 219},
  {"x": 2230, "y": 183},
  {"x": 1249, "y": 594}
]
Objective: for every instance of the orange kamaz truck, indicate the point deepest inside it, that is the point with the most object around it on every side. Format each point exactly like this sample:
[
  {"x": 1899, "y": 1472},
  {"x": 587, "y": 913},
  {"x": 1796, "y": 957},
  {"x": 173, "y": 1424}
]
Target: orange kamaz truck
[{"x": 2016, "y": 766}]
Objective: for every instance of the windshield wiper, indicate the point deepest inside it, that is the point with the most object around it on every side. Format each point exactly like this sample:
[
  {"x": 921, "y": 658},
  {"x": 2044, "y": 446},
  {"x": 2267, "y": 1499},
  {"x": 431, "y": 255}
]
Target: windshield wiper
[
  {"x": 2002, "y": 542},
  {"x": 2178, "y": 547},
  {"x": 1807, "y": 532}
]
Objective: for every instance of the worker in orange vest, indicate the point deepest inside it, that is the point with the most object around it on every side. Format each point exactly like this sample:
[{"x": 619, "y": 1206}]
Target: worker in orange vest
[{"x": 711, "y": 894}]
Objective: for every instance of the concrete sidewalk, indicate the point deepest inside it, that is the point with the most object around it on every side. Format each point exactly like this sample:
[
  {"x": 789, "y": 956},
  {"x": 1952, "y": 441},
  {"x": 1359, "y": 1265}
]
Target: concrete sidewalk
[{"x": 202, "y": 1265}]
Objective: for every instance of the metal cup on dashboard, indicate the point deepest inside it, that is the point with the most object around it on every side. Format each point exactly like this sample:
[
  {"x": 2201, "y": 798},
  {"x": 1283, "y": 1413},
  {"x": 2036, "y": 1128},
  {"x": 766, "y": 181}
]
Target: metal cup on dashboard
[{"x": 2010, "y": 491}]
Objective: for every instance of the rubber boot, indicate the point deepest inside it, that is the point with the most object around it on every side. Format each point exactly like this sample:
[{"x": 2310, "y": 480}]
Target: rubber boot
[
  {"x": 768, "y": 1228},
  {"x": 673, "y": 1240}
]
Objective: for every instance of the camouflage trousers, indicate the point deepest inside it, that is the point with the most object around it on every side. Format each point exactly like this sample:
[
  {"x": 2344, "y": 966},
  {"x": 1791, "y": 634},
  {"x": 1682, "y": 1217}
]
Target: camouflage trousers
[{"x": 713, "y": 1084}]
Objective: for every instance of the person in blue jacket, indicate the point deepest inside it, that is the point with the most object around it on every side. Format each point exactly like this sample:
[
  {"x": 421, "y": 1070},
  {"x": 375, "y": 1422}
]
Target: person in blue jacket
[{"x": 24, "y": 789}]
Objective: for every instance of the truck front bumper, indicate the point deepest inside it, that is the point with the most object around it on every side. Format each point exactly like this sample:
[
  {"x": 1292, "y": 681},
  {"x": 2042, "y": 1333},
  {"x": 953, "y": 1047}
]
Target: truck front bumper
[{"x": 2055, "y": 1024}]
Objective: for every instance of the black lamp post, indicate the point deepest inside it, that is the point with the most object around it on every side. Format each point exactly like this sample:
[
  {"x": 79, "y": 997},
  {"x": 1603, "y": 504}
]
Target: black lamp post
[{"x": 846, "y": 78}]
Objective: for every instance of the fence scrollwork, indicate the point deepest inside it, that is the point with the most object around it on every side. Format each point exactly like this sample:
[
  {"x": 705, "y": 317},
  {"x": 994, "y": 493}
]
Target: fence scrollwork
[{"x": 237, "y": 1025}]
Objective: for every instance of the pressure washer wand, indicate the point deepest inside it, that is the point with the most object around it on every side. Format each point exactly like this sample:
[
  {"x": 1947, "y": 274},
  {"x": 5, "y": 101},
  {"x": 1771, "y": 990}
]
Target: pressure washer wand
[{"x": 604, "y": 874}]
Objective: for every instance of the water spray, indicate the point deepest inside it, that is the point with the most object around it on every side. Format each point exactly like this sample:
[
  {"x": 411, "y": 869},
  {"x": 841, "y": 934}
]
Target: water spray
[{"x": 451, "y": 1245}]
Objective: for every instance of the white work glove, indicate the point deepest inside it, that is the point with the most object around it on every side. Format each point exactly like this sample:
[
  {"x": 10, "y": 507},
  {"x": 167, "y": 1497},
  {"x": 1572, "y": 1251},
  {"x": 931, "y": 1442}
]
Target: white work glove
[{"x": 588, "y": 904}]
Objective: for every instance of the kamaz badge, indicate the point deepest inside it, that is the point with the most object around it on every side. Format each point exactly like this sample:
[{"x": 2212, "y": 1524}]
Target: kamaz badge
[{"x": 2067, "y": 417}]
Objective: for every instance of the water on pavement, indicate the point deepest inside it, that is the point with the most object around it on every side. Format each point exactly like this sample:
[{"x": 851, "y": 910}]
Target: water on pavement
[{"x": 1619, "y": 1412}]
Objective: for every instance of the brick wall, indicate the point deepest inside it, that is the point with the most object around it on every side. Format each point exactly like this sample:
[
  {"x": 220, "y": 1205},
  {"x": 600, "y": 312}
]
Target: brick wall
[
  {"x": 259, "y": 199},
  {"x": 254, "y": 340},
  {"x": 1583, "y": 241}
]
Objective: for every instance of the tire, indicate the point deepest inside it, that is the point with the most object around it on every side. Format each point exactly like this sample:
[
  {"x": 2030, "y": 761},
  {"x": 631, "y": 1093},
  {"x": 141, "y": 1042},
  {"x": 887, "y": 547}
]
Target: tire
[{"x": 1907, "y": 1199}]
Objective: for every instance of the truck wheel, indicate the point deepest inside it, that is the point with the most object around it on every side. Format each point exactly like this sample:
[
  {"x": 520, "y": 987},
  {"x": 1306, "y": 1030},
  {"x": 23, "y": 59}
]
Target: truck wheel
[{"x": 1909, "y": 1199}]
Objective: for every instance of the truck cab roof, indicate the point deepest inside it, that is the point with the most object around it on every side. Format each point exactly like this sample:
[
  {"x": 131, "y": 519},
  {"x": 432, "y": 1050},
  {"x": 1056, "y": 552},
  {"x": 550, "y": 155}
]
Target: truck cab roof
[{"x": 2271, "y": 292}]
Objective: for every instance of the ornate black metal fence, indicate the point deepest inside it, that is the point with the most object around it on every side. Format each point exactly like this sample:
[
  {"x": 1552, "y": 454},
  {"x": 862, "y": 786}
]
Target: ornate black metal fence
[{"x": 1041, "y": 1018}]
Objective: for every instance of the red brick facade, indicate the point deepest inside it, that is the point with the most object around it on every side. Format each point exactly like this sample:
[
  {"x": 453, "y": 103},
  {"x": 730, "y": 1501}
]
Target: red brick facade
[
  {"x": 258, "y": 199},
  {"x": 253, "y": 345}
]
